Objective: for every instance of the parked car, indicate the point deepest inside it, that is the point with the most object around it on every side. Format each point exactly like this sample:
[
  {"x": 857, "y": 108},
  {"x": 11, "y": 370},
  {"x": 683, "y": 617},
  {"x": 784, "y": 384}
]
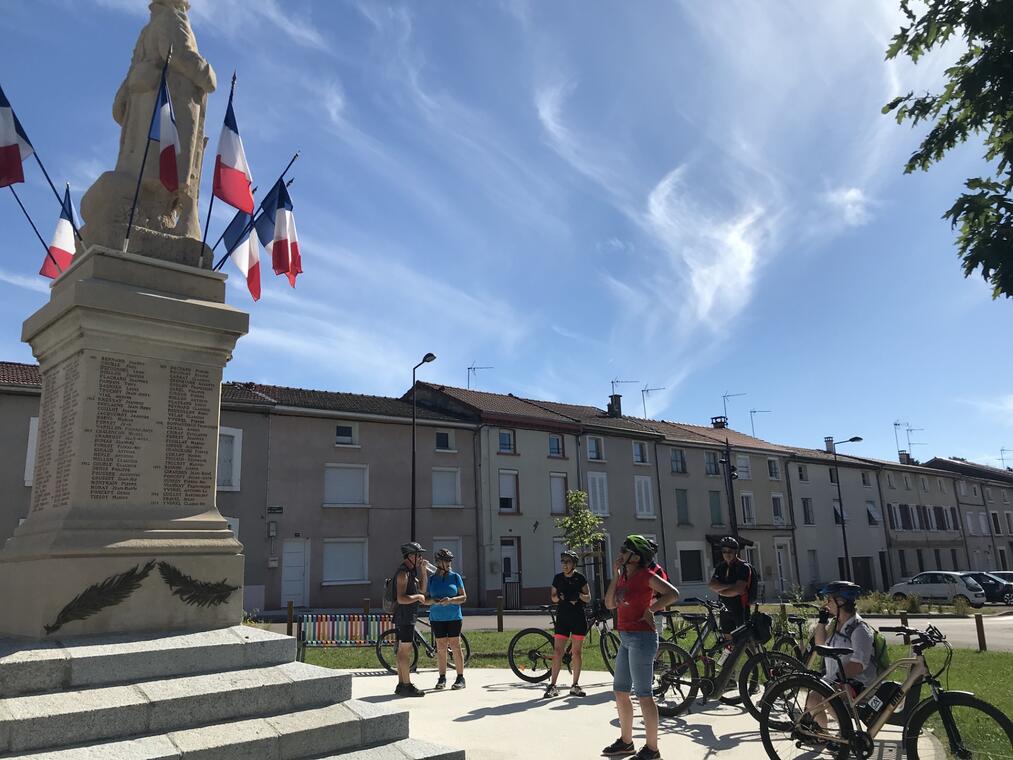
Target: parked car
[
  {"x": 996, "y": 589},
  {"x": 940, "y": 587},
  {"x": 1006, "y": 575}
]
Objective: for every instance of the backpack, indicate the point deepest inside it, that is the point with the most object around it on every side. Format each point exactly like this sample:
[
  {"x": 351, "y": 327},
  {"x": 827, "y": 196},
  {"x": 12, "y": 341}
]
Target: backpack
[
  {"x": 753, "y": 583},
  {"x": 390, "y": 593},
  {"x": 880, "y": 651}
]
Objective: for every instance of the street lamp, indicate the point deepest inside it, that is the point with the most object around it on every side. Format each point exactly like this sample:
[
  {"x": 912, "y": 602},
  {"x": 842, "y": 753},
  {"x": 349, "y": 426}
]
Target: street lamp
[
  {"x": 840, "y": 501},
  {"x": 425, "y": 360}
]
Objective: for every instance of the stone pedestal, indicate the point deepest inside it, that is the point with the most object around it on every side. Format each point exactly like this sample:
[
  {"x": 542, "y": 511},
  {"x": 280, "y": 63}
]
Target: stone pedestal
[{"x": 123, "y": 532}]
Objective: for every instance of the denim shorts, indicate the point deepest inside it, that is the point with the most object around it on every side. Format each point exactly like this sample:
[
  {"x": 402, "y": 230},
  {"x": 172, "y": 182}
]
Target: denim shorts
[{"x": 635, "y": 662}]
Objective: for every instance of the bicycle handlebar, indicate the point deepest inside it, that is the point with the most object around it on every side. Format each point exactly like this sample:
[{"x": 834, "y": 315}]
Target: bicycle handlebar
[{"x": 706, "y": 603}]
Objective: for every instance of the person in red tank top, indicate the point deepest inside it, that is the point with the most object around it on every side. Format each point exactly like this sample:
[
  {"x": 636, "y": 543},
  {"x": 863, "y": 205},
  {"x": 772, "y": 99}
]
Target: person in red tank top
[{"x": 636, "y": 593}]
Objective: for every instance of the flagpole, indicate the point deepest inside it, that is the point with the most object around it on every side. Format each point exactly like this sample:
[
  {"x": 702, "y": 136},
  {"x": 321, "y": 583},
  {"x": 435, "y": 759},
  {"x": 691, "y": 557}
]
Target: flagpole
[
  {"x": 144, "y": 159},
  {"x": 247, "y": 229},
  {"x": 35, "y": 229},
  {"x": 211, "y": 204},
  {"x": 222, "y": 236}
]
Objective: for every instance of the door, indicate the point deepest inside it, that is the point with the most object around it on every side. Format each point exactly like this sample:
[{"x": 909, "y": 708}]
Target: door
[
  {"x": 784, "y": 584},
  {"x": 295, "y": 560},
  {"x": 510, "y": 557},
  {"x": 863, "y": 572}
]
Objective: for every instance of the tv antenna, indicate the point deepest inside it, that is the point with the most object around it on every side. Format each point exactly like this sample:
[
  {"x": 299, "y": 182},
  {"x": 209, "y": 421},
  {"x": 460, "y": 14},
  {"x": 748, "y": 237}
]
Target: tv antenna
[
  {"x": 617, "y": 381},
  {"x": 1002, "y": 456},
  {"x": 724, "y": 401},
  {"x": 473, "y": 370},
  {"x": 752, "y": 424},
  {"x": 911, "y": 443},
  {"x": 897, "y": 424},
  {"x": 645, "y": 392}
]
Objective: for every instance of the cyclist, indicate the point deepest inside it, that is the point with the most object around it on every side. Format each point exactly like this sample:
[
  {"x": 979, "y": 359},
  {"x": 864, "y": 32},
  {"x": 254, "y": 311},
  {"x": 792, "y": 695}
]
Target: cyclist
[
  {"x": 446, "y": 594},
  {"x": 731, "y": 580},
  {"x": 412, "y": 579},
  {"x": 569, "y": 592},
  {"x": 637, "y": 593},
  {"x": 849, "y": 630}
]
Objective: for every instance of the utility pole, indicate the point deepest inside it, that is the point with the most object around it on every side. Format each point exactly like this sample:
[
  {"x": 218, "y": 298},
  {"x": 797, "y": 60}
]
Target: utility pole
[{"x": 731, "y": 475}]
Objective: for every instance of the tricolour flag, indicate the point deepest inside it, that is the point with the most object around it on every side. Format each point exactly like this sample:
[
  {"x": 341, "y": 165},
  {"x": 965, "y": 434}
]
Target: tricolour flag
[
  {"x": 276, "y": 230},
  {"x": 242, "y": 244},
  {"x": 61, "y": 249},
  {"x": 163, "y": 129},
  {"x": 14, "y": 145},
  {"x": 232, "y": 179}
]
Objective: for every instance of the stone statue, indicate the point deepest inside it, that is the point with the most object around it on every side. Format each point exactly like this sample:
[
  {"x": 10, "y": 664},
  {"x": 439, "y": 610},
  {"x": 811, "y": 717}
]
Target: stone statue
[{"x": 166, "y": 225}]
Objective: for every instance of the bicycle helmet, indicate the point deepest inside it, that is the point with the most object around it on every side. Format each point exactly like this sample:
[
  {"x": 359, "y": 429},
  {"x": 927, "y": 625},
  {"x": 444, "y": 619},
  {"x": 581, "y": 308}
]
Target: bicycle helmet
[
  {"x": 445, "y": 554},
  {"x": 642, "y": 546},
  {"x": 729, "y": 542},
  {"x": 571, "y": 555},
  {"x": 412, "y": 547},
  {"x": 845, "y": 590}
]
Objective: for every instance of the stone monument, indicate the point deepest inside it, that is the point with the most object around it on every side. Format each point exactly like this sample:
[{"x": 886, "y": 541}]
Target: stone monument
[{"x": 121, "y": 594}]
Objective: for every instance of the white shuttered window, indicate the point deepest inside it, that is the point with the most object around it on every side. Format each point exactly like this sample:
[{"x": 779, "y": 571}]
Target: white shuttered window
[
  {"x": 598, "y": 492},
  {"x": 445, "y": 487},
  {"x": 345, "y": 484},
  {"x": 642, "y": 490}
]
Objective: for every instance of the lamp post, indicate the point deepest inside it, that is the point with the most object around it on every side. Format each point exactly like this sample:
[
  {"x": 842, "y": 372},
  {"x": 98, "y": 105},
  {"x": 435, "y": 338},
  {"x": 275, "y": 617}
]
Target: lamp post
[
  {"x": 425, "y": 360},
  {"x": 840, "y": 502}
]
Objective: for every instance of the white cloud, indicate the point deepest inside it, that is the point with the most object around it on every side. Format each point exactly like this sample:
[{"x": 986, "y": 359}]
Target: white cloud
[
  {"x": 34, "y": 284},
  {"x": 1000, "y": 408},
  {"x": 851, "y": 204}
]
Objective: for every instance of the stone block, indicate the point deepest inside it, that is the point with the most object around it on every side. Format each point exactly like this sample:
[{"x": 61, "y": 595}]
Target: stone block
[
  {"x": 243, "y": 740},
  {"x": 309, "y": 733},
  {"x": 262, "y": 648},
  {"x": 420, "y": 750},
  {"x": 31, "y": 666},
  {"x": 145, "y": 748},
  {"x": 314, "y": 685},
  {"x": 380, "y": 724}
]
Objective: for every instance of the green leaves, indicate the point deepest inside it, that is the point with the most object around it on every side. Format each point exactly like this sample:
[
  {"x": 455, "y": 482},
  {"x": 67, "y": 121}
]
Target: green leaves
[{"x": 581, "y": 527}]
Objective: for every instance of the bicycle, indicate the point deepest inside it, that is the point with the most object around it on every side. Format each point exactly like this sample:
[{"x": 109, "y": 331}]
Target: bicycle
[
  {"x": 945, "y": 724},
  {"x": 386, "y": 647},
  {"x": 679, "y": 680},
  {"x": 785, "y": 640},
  {"x": 531, "y": 649}
]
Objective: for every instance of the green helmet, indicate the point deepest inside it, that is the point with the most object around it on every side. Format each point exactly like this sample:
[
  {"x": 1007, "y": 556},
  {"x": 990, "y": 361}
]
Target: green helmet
[{"x": 642, "y": 546}]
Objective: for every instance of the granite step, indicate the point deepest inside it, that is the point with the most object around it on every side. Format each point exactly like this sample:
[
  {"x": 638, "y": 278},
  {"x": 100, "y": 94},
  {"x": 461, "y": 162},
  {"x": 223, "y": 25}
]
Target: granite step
[
  {"x": 105, "y": 713},
  {"x": 316, "y": 732},
  {"x": 405, "y": 749},
  {"x": 35, "y": 667}
]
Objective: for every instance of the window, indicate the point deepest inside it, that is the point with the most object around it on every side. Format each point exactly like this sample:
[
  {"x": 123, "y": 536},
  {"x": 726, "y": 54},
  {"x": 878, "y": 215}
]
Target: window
[
  {"x": 446, "y": 487},
  {"x": 814, "y": 564},
  {"x": 752, "y": 555},
  {"x": 345, "y": 561},
  {"x": 996, "y": 524},
  {"x": 748, "y": 514},
  {"x": 891, "y": 513},
  {"x": 833, "y": 474},
  {"x": 837, "y": 512},
  {"x": 639, "y": 452},
  {"x": 954, "y": 519},
  {"x": 983, "y": 522},
  {"x": 678, "y": 461},
  {"x": 33, "y": 445},
  {"x": 906, "y": 523},
  {"x": 506, "y": 442},
  {"x": 557, "y": 493},
  {"x": 953, "y": 556},
  {"x": 921, "y": 560},
  {"x": 907, "y": 481},
  {"x": 939, "y": 485},
  {"x": 1004, "y": 495},
  {"x": 444, "y": 441},
  {"x": 595, "y": 448},
  {"x": 777, "y": 508},
  {"x": 962, "y": 486},
  {"x": 988, "y": 493},
  {"x": 682, "y": 506},
  {"x": 230, "y": 458},
  {"x": 803, "y": 473},
  {"x": 346, "y": 484},
  {"x": 971, "y": 529},
  {"x": 346, "y": 434},
  {"x": 940, "y": 514},
  {"x": 939, "y": 559},
  {"x": 974, "y": 490},
  {"x": 691, "y": 565},
  {"x": 773, "y": 469},
  {"x": 555, "y": 445},
  {"x": 642, "y": 491},
  {"x": 902, "y": 555},
  {"x": 598, "y": 493},
  {"x": 742, "y": 463},
  {"x": 866, "y": 480},
  {"x": 924, "y": 482},
  {"x": 872, "y": 513},
  {"x": 508, "y": 491},
  {"x": 1009, "y": 523},
  {"x": 808, "y": 516},
  {"x": 921, "y": 517},
  {"x": 712, "y": 464},
  {"x": 714, "y": 500},
  {"x": 890, "y": 481}
]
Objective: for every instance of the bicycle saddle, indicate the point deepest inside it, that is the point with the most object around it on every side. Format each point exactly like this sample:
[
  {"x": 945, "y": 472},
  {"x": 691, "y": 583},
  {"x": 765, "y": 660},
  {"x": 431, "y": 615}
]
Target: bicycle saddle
[
  {"x": 797, "y": 618},
  {"x": 693, "y": 617},
  {"x": 833, "y": 651}
]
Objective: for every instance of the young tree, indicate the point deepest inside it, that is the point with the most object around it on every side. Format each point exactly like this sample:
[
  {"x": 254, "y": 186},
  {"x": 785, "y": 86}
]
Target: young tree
[
  {"x": 976, "y": 100},
  {"x": 581, "y": 528}
]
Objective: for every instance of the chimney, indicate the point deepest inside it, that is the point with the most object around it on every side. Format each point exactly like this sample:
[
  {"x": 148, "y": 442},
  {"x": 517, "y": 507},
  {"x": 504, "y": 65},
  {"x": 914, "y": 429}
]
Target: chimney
[
  {"x": 904, "y": 457},
  {"x": 719, "y": 422},
  {"x": 828, "y": 442},
  {"x": 615, "y": 407}
]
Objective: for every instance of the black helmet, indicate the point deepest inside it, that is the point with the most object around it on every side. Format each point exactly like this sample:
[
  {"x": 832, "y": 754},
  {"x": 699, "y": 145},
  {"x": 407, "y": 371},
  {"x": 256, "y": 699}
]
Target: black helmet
[
  {"x": 571, "y": 555},
  {"x": 844, "y": 589},
  {"x": 642, "y": 546},
  {"x": 412, "y": 547},
  {"x": 729, "y": 542},
  {"x": 444, "y": 554}
]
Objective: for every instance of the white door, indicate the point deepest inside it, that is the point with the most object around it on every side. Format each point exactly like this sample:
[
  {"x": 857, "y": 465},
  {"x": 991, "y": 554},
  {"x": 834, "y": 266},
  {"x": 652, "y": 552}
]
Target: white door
[
  {"x": 508, "y": 550},
  {"x": 294, "y": 571},
  {"x": 783, "y": 568}
]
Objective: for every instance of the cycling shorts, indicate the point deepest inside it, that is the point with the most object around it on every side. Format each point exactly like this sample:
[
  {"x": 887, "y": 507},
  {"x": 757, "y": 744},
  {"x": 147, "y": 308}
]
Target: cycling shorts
[
  {"x": 571, "y": 622},
  {"x": 446, "y": 629}
]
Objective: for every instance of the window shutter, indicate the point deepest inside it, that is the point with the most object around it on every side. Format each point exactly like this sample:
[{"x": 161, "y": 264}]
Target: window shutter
[
  {"x": 345, "y": 485},
  {"x": 225, "y": 448},
  {"x": 557, "y": 494},
  {"x": 344, "y": 561},
  {"x": 445, "y": 488}
]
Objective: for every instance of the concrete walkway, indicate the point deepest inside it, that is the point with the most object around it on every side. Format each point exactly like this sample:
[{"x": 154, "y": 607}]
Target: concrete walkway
[{"x": 499, "y": 717}]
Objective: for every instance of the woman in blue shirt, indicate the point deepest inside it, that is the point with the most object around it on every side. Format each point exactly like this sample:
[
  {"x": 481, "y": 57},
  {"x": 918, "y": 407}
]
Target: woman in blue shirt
[{"x": 445, "y": 597}]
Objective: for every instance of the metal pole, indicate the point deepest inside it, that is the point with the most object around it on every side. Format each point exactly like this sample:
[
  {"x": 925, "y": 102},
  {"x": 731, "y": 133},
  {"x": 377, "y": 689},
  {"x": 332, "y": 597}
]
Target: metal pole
[
  {"x": 840, "y": 506},
  {"x": 733, "y": 520},
  {"x": 35, "y": 229},
  {"x": 413, "y": 450}
]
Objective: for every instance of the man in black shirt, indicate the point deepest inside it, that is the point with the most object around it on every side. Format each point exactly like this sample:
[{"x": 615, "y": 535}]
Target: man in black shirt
[
  {"x": 569, "y": 593},
  {"x": 731, "y": 581},
  {"x": 411, "y": 581}
]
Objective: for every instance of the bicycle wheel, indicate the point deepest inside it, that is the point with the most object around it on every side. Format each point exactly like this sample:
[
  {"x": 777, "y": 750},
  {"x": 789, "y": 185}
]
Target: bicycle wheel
[
  {"x": 386, "y": 651},
  {"x": 530, "y": 655},
  {"x": 760, "y": 670},
  {"x": 608, "y": 643},
  {"x": 787, "y": 645},
  {"x": 675, "y": 679},
  {"x": 789, "y": 729},
  {"x": 978, "y": 729}
]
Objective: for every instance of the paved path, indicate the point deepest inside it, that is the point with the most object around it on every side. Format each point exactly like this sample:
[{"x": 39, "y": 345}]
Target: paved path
[{"x": 499, "y": 717}]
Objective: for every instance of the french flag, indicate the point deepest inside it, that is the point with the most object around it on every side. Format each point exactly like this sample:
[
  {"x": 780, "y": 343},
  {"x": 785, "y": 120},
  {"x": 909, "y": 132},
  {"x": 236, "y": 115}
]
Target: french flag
[
  {"x": 163, "y": 129},
  {"x": 14, "y": 145},
  {"x": 232, "y": 179},
  {"x": 61, "y": 249},
  {"x": 276, "y": 230},
  {"x": 242, "y": 244}
]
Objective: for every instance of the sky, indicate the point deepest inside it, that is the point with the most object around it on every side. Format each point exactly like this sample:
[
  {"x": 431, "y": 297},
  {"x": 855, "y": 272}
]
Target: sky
[{"x": 703, "y": 198}]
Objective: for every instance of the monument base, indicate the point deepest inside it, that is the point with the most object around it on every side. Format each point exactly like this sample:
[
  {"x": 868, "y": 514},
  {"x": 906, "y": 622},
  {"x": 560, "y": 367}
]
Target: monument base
[{"x": 217, "y": 695}]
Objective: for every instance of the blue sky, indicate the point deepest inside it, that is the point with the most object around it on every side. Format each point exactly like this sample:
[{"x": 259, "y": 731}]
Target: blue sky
[{"x": 698, "y": 196}]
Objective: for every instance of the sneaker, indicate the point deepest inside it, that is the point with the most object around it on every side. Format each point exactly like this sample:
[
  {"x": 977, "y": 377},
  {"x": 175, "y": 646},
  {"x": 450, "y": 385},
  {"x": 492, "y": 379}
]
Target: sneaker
[
  {"x": 441, "y": 682},
  {"x": 618, "y": 748},
  {"x": 552, "y": 691},
  {"x": 408, "y": 690},
  {"x": 459, "y": 683},
  {"x": 646, "y": 753},
  {"x": 576, "y": 691}
]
